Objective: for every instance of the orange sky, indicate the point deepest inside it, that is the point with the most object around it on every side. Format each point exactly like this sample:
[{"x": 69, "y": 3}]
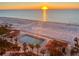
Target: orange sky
[{"x": 38, "y": 5}]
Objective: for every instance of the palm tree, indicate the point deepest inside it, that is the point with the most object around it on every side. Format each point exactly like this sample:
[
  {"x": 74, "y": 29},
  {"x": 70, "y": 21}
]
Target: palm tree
[
  {"x": 37, "y": 46},
  {"x": 43, "y": 51},
  {"x": 31, "y": 46},
  {"x": 11, "y": 39},
  {"x": 16, "y": 41},
  {"x": 10, "y": 25},
  {"x": 24, "y": 47},
  {"x": 3, "y": 51},
  {"x": 76, "y": 41}
]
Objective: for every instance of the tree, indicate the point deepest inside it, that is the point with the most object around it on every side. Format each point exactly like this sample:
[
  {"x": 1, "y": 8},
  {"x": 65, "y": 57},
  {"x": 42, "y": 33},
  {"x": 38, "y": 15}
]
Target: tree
[
  {"x": 3, "y": 51},
  {"x": 76, "y": 41},
  {"x": 3, "y": 30},
  {"x": 43, "y": 51},
  {"x": 8, "y": 26},
  {"x": 37, "y": 46},
  {"x": 16, "y": 41},
  {"x": 31, "y": 46},
  {"x": 24, "y": 47}
]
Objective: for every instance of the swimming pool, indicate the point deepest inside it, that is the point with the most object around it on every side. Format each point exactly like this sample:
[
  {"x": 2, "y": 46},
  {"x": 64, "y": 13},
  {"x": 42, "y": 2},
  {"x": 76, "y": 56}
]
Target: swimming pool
[{"x": 31, "y": 40}]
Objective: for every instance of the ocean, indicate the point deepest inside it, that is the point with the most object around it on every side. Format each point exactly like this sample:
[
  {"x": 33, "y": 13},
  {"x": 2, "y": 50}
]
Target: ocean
[{"x": 60, "y": 16}]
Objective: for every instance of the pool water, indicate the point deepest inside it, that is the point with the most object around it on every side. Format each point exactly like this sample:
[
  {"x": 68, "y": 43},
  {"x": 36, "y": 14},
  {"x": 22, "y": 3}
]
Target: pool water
[{"x": 30, "y": 40}]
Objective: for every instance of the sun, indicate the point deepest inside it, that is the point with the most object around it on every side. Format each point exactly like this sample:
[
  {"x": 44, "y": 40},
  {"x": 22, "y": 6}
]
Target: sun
[
  {"x": 44, "y": 8},
  {"x": 44, "y": 13}
]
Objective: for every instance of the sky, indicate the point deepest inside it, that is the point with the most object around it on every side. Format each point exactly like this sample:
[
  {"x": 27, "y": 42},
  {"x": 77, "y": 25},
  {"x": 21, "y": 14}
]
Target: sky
[
  {"x": 38, "y": 5},
  {"x": 30, "y": 10}
]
